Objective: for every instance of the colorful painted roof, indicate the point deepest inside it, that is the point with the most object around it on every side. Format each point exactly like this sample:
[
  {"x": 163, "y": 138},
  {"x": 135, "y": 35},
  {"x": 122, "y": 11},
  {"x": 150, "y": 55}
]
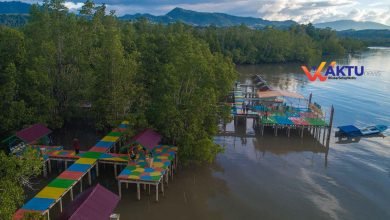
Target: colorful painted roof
[
  {"x": 279, "y": 93},
  {"x": 33, "y": 133},
  {"x": 138, "y": 170},
  {"x": 96, "y": 203},
  {"x": 148, "y": 138},
  {"x": 48, "y": 196}
]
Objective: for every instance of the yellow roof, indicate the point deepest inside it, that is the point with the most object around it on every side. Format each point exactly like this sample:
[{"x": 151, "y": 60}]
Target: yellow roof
[{"x": 279, "y": 93}]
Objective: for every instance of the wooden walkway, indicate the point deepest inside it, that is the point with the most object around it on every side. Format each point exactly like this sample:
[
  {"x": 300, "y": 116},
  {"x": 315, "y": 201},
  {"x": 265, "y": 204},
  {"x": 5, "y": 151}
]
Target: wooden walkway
[
  {"x": 67, "y": 180},
  {"x": 311, "y": 120}
]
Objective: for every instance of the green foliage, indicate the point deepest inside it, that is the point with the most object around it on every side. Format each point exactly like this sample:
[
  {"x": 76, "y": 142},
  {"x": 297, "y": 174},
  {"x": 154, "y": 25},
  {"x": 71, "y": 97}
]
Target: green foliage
[
  {"x": 15, "y": 173},
  {"x": 183, "y": 85},
  {"x": 13, "y": 20},
  {"x": 164, "y": 77},
  {"x": 33, "y": 216},
  {"x": 368, "y": 37},
  {"x": 300, "y": 43}
]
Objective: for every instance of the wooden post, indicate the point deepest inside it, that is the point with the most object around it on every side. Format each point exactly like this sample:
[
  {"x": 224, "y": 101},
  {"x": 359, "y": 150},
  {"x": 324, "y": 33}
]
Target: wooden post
[
  {"x": 302, "y": 130},
  {"x": 288, "y": 132},
  {"x": 81, "y": 185},
  {"x": 262, "y": 129},
  {"x": 319, "y": 134},
  {"x": 162, "y": 187},
  {"x": 97, "y": 169},
  {"x": 119, "y": 188},
  {"x": 323, "y": 135},
  {"x": 330, "y": 126},
  {"x": 157, "y": 192},
  {"x": 138, "y": 192},
  {"x": 89, "y": 177},
  {"x": 49, "y": 165},
  {"x": 44, "y": 169},
  {"x": 71, "y": 193},
  {"x": 115, "y": 169},
  {"x": 60, "y": 204}
]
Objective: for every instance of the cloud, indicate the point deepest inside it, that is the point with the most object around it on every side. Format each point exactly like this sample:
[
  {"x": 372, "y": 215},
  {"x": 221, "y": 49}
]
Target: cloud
[
  {"x": 73, "y": 6},
  {"x": 302, "y": 11},
  {"x": 381, "y": 15}
]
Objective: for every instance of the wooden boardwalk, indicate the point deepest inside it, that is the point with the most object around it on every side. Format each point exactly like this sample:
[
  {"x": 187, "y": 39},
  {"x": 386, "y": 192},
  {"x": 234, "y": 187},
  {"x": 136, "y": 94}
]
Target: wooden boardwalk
[{"x": 310, "y": 119}]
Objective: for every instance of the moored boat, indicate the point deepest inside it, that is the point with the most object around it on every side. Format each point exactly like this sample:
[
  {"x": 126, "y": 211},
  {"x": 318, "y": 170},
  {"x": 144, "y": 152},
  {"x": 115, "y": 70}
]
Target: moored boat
[{"x": 353, "y": 131}]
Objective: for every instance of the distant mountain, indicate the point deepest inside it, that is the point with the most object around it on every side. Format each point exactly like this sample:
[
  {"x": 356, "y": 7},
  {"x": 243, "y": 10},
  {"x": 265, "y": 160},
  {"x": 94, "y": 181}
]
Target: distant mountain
[
  {"x": 14, "y": 8},
  {"x": 207, "y": 19},
  {"x": 350, "y": 24}
]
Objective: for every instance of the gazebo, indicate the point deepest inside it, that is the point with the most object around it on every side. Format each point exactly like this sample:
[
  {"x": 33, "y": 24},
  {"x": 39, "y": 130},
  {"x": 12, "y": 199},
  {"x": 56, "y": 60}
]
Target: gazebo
[
  {"x": 148, "y": 139},
  {"x": 96, "y": 203}
]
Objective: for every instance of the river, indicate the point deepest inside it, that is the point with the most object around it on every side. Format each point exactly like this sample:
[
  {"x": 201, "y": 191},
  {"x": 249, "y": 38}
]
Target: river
[{"x": 288, "y": 178}]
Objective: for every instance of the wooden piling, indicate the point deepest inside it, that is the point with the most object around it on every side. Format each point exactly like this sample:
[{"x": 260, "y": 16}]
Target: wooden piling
[{"x": 330, "y": 126}]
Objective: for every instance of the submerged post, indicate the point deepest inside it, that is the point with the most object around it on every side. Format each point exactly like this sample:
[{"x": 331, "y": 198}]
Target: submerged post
[
  {"x": 330, "y": 126},
  {"x": 310, "y": 97}
]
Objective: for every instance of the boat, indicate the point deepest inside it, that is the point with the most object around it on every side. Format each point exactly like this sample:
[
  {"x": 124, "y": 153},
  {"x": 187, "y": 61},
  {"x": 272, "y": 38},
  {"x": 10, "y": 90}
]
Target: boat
[{"x": 353, "y": 131}]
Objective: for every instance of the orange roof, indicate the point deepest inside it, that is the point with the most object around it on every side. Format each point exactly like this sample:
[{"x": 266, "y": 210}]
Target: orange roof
[{"x": 279, "y": 93}]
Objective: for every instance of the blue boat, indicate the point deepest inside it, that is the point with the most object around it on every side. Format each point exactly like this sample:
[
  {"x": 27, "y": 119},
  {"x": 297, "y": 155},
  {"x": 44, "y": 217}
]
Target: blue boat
[{"x": 353, "y": 131}]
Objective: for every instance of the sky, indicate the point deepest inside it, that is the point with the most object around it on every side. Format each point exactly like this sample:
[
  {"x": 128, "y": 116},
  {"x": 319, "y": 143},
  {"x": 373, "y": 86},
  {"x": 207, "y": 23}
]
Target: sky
[{"x": 302, "y": 11}]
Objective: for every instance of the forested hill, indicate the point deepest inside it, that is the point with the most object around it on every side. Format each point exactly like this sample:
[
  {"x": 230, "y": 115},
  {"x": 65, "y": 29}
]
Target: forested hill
[
  {"x": 14, "y": 7},
  {"x": 342, "y": 25},
  {"x": 370, "y": 37},
  {"x": 177, "y": 14},
  {"x": 206, "y": 19}
]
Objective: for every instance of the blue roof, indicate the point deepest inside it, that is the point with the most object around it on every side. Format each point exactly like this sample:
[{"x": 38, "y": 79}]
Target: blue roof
[
  {"x": 350, "y": 130},
  {"x": 38, "y": 204},
  {"x": 105, "y": 144}
]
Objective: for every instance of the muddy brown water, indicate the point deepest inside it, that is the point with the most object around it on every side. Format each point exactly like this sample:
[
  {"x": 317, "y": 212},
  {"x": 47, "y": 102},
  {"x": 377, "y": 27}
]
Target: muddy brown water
[{"x": 279, "y": 177}]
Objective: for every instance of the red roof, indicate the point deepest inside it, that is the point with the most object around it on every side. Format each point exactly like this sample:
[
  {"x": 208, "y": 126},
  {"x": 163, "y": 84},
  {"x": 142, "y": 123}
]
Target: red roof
[
  {"x": 96, "y": 203},
  {"x": 33, "y": 133},
  {"x": 148, "y": 138}
]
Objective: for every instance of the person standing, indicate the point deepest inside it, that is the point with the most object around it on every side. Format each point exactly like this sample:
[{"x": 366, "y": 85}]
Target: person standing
[{"x": 76, "y": 145}]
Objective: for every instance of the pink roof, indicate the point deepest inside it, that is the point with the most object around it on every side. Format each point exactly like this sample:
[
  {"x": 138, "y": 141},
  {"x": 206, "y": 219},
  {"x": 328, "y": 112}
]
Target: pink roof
[
  {"x": 148, "y": 138},
  {"x": 33, "y": 133},
  {"x": 96, "y": 203}
]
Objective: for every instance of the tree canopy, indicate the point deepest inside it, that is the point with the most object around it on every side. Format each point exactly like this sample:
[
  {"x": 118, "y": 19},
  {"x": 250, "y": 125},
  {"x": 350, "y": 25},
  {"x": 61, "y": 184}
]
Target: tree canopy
[{"x": 158, "y": 76}]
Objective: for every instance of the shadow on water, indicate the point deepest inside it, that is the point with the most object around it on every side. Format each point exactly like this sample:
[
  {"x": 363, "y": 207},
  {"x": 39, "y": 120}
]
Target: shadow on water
[{"x": 349, "y": 140}]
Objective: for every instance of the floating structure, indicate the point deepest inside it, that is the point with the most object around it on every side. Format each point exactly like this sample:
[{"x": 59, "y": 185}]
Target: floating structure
[
  {"x": 137, "y": 171},
  {"x": 280, "y": 110}
]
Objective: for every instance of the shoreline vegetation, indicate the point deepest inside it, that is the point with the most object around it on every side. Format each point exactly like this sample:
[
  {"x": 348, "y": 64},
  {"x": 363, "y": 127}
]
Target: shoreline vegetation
[
  {"x": 61, "y": 66},
  {"x": 172, "y": 78}
]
